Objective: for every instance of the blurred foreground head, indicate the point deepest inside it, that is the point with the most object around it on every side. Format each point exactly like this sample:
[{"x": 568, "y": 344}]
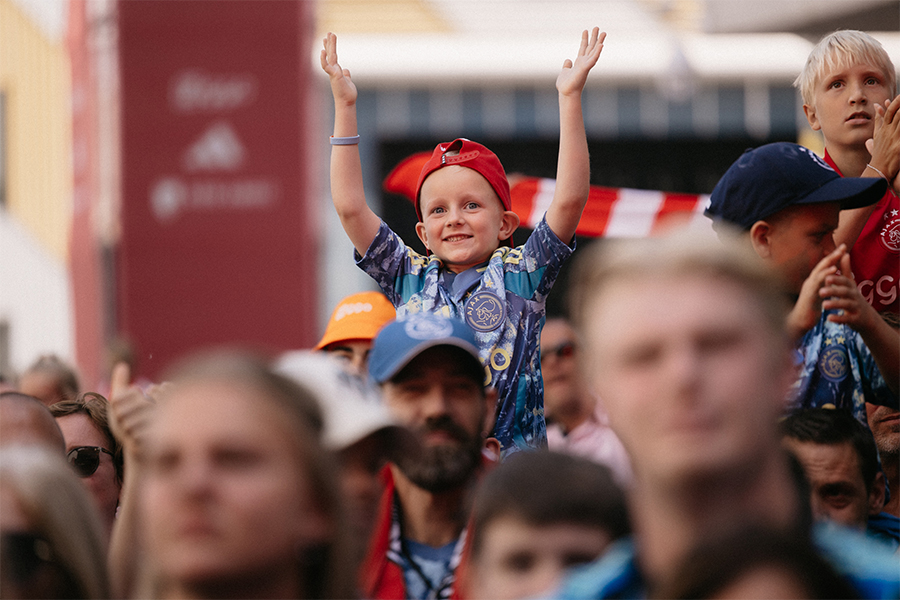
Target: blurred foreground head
[
  {"x": 240, "y": 496},
  {"x": 526, "y": 536},
  {"x": 685, "y": 342},
  {"x": 26, "y": 420},
  {"x": 51, "y": 539},
  {"x": 50, "y": 380}
]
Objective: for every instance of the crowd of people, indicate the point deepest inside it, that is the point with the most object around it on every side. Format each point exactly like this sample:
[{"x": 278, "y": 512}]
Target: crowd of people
[{"x": 717, "y": 415}]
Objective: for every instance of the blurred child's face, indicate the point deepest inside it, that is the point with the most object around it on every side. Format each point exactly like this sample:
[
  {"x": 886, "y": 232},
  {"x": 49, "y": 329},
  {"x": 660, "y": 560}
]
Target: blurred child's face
[
  {"x": 845, "y": 100},
  {"x": 800, "y": 237},
  {"x": 521, "y": 560},
  {"x": 463, "y": 220}
]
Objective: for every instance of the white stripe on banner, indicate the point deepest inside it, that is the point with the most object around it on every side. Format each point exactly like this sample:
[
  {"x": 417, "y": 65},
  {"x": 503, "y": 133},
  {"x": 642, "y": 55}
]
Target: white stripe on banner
[
  {"x": 633, "y": 213},
  {"x": 542, "y": 200},
  {"x": 698, "y": 218}
]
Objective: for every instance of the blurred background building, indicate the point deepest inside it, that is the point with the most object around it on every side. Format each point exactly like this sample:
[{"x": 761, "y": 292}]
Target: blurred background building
[{"x": 164, "y": 164}]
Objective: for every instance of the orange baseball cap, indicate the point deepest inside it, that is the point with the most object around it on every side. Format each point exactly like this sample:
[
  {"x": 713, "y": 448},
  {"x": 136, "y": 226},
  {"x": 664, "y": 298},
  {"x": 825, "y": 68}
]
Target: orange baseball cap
[{"x": 358, "y": 317}]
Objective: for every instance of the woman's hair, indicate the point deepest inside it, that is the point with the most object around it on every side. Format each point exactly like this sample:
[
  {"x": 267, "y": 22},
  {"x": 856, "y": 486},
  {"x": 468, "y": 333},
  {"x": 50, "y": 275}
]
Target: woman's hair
[
  {"x": 326, "y": 570},
  {"x": 62, "y": 515},
  {"x": 96, "y": 407}
]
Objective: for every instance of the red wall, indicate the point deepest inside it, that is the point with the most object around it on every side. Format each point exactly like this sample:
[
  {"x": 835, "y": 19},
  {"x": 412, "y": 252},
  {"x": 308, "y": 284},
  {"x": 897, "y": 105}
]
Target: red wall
[
  {"x": 217, "y": 244},
  {"x": 84, "y": 247}
]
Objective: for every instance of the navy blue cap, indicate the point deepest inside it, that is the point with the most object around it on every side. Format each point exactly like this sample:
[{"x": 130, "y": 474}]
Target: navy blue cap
[
  {"x": 402, "y": 340},
  {"x": 776, "y": 176}
]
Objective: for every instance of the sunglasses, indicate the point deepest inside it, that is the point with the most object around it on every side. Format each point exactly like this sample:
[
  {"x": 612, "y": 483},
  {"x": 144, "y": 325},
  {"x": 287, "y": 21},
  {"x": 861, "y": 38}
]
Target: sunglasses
[
  {"x": 564, "y": 350},
  {"x": 86, "y": 459}
]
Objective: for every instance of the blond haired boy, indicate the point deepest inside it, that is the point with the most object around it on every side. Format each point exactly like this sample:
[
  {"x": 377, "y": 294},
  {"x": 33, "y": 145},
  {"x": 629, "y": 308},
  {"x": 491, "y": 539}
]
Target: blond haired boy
[
  {"x": 465, "y": 222},
  {"x": 848, "y": 87}
]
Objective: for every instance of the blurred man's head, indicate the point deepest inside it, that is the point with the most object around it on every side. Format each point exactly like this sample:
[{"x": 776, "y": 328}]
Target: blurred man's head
[
  {"x": 26, "y": 420},
  {"x": 841, "y": 464},
  {"x": 885, "y": 425},
  {"x": 432, "y": 381},
  {"x": 50, "y": 380},
  {"x": 559, "y": 368},
  {"x": 694, "y": 390}
]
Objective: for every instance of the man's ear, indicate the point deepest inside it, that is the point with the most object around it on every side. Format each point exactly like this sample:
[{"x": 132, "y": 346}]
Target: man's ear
[
  {"x": 490, "y": 410},
  {"x": 760, "y": 238},
  {"x": 509, "y": 222},
  {"x": 812, "y": 117},
  {"x": 876, "y": 496},
  {"x": 420, "y": 231}
]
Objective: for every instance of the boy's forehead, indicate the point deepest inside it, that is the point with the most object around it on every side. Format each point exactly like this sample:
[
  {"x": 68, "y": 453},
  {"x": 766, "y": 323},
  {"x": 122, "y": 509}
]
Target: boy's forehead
[
  {"x": 818, "y": 212},
  {"x": 840, "y": 60}
]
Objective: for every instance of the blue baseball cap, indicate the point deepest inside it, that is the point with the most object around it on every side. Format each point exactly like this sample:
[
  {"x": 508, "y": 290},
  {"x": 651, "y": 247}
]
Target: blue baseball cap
[
  {"x": 400, "y": 341},
  {"x": 776, "y": 176}
]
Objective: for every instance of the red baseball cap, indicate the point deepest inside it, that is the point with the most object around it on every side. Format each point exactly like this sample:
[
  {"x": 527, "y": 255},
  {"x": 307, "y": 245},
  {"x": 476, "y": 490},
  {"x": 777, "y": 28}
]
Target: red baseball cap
[{"x": 466, "y": 153}]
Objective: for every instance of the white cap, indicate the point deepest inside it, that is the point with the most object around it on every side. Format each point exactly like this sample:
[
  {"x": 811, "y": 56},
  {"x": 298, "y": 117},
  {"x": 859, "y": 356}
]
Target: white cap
[{"x": 351, "y": 406}]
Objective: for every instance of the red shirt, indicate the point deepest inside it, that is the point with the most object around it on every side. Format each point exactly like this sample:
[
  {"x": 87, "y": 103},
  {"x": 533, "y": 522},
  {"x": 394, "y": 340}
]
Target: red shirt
[{"x": 875, "y": 257}]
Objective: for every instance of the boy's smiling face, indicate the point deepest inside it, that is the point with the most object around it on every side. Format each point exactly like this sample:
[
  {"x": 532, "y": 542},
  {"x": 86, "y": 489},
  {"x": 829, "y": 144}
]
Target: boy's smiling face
[
  {"x": 463, "y": 220},
  {"x": 845, "y": 99}
]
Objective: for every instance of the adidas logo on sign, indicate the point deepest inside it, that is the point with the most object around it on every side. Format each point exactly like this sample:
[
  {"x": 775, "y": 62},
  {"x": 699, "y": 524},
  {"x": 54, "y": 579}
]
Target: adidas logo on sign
[{"x": 218, "y": 149}]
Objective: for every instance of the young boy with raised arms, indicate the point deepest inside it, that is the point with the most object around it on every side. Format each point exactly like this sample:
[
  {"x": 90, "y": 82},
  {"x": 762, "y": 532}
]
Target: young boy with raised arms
[
  {"x": 466, "y": 223},
  {"x": 849, "y": 94}
]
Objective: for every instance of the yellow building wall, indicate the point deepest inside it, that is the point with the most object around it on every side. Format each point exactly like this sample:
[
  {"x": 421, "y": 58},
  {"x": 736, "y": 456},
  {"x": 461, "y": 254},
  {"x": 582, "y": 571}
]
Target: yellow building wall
[{"x": 35, "y": 80}]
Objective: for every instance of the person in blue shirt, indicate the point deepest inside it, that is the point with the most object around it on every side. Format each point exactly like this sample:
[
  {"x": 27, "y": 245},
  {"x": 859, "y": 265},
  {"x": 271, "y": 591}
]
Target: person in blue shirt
[
  {"x": 694, "y": 393},
  {"x": 787, "y": 201}
]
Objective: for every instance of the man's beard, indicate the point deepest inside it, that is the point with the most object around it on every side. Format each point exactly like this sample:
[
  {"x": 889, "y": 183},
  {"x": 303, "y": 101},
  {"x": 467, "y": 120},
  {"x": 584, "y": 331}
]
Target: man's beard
[{"x": 441, "y": 468}]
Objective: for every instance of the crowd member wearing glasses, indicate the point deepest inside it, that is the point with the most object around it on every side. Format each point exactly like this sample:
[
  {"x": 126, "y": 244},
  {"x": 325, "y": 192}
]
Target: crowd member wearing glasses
[
  {"x": 51, "y": 538},
  {"x": 238, "y": 497},
  {"x": 92, "y": 450},
  {"x": 576, "y": 421}
]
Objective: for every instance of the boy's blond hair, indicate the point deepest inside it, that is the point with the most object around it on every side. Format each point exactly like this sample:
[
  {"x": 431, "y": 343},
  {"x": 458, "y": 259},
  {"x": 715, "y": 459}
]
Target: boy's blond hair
[{"x": 837, "y": 50}]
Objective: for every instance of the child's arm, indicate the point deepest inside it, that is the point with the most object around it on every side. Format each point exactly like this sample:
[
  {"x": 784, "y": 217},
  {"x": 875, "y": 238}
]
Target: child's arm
[
  {"x": 347, "y": 193},
  {"x": 883, "y": 341},
  {"x": 573, "y": 172},
  {"x": 884, "y": 148}
]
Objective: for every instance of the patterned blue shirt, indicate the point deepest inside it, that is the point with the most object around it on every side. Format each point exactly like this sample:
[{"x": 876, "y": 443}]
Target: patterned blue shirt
[
  {"x": 502, "y": 300},
  {"x": 837, "y": 370}
]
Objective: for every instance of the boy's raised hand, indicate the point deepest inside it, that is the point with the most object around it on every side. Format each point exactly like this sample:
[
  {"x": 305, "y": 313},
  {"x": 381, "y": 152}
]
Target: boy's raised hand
[
  {"x": 574, "y": 75},
  {"x": 840, "y": 292},
  {"x": 343, "y": 89},
  {"x": 884, "y": 147}
]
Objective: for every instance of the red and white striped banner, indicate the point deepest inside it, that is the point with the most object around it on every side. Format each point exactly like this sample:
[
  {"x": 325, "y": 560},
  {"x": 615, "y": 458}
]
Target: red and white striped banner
[{"x": 610, "y": 212}]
